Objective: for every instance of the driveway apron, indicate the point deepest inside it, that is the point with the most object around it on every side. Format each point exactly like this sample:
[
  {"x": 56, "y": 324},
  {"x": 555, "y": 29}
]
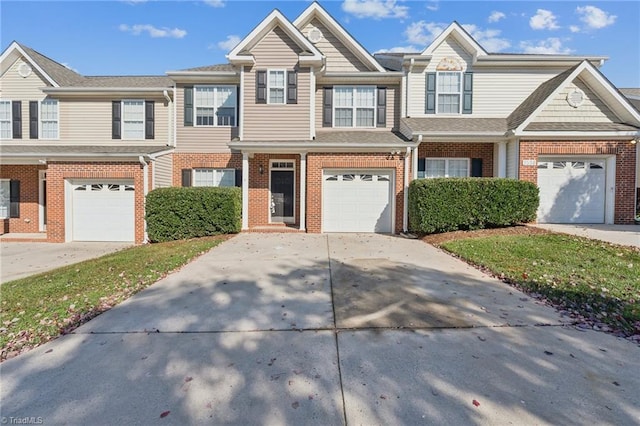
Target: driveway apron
[{"x": 326, "y": 329}]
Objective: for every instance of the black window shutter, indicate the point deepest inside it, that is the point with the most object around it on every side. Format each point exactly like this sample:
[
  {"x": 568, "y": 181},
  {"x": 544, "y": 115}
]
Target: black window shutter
[
  {"x": 116, "y": 120},
  {"x": 431, "y": 93},
  {"x": 149, "y": 119},
  {"x": 476, "y": 167},
  {"x": 239, "y": 177},
  {"x": 186, "y": 177},
  {"x": 467, "y": 93},
  {"x": 14, "y": 198},
  {"x": 261, "y": 87},
  {"x": 292, "y": 87},
  {"x": 33, "y": 119},
  {"x": 422, "y": 166},
  {"x": 188, "y": 106},
  {"x": 16, "y": 112},
  {"x": 327, "y": 107},
  {"x": 381, "y": 120}
]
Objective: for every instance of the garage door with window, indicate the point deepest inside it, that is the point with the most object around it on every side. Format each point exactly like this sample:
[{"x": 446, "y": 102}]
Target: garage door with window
[
  {"x": 357, "y": 201},
  {"x": 572, "y": 190},
  {"x": 103, "y": 211}
]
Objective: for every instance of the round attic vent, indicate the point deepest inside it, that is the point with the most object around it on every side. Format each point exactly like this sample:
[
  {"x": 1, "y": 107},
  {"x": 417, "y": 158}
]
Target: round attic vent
[
  {"x": 24, "y": 70},
  {"x": 575, "y": 98},
  {"x": 315, "y": 35}
]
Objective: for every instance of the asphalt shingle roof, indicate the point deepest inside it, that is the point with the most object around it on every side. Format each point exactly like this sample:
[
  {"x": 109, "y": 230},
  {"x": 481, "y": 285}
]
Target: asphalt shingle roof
[
  {"x": 45, "y": 150},
  {"x": 372, "y": 136},
  {"x": 216, "y": 67},
  {"x": 456, "y": 125},
  {"x": 62, "y": 75},
  {"x": 579, "y": 127}
]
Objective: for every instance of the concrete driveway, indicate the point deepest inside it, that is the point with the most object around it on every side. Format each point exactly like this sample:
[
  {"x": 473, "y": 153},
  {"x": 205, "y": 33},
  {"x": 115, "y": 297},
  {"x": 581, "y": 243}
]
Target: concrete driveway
[
  {"x": 20, "y": 260},
  {"x": 327, "y": 329},
  {"x": 626, "y": 235}
]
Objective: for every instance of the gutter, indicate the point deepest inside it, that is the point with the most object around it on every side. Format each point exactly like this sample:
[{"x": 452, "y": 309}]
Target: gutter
[{"x": 102, "y": 89}]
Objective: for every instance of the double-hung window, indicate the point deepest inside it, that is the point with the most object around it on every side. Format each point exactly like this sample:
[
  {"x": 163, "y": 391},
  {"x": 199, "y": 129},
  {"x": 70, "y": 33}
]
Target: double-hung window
[
  {"x": 277, "y": 81},
  {"x": 446, "y": 167},
  {"x": 449, "y": 92},
  {"x": 5, "y": 120},
  {"x": 132, "y": 119},
  {"x": 215, "y": 105},
  {"x": 49, "y": 119},
  {"x": 214, "y": 177},
  {"x": 354, "y": 106}
]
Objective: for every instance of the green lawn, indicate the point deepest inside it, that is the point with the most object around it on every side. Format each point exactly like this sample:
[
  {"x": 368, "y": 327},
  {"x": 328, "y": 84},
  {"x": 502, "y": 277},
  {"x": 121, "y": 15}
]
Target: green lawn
[
  {"x": 597, "y": 280},
  {"x": 41, "y": 307}
]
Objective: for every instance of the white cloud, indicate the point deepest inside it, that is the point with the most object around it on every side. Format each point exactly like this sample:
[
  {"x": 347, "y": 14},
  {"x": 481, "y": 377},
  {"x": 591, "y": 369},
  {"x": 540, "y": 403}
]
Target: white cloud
[
  {"x": 422, "y": 33},
  {"x": 433, "y": 5},
  {"x": 489, "y": 39},
  {"x": 574, "y": 29},
  {"x": 544, "y": 20},
  {"x": 399, "y": 49},
  {"x": 549, "y": 46},
  {"x": 595, "y": 18},
  {"x": 153, "y": 32},
  {"x": 134, "y": 2},
  {"x": 496, "y": 16},
  {"x": 376, "y": 9},
  {"x": 214, "y": 3},
  {"x": 228, "y": 44}
]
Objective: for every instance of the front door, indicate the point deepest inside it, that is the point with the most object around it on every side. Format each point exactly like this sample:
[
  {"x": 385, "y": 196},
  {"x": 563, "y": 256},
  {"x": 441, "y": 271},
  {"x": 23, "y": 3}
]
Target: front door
[{"x": 282, "y": 194}]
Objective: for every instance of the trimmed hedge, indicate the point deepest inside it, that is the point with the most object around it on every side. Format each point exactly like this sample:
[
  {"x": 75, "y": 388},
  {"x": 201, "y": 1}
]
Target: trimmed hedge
[
  {"x": 450, "y": 204},
  {"x": 181, "y": 213}
]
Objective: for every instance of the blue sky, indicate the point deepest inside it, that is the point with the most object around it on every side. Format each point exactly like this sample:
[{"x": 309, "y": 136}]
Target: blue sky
[{"x": 148, "y": 37}]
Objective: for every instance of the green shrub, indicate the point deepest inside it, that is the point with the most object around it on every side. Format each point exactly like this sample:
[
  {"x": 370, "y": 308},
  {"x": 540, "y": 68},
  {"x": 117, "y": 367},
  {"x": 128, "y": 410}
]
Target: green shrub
[
  {"x": 449, "y": 204},
  {"x": 180, "y": 213}
]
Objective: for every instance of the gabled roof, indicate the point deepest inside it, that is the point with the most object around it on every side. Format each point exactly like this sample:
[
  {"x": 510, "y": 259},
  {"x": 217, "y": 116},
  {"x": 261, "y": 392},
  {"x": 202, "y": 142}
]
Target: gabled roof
[
  {"x": 241, "y": 53},
  {"x": 522, "y": 117},
  {"x": 316, "y": 11},
  {"x": 461, "y": 36}
]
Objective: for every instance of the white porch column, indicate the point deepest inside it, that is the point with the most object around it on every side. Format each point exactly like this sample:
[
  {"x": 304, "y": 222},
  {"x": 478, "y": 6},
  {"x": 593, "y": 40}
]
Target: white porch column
[
  {"x": 414, "y": 166},
  {"x": 303, "y": 191},
  {"x": 245, "y": 191},
  {"x": 502, "y": 159},
  {"x": 405, "y": 207}
]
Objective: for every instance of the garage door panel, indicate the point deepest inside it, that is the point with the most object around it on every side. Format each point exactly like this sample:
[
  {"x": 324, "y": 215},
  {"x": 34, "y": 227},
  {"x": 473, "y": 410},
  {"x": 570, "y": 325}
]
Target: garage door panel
[
  {"x": 357, "y": 201},
  {"x": 571, "y": 191}
]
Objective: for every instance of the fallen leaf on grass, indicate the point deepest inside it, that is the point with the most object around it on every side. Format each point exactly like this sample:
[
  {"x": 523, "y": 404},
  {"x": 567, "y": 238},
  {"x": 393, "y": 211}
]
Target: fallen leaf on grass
[
  {"x": 476, "y": 403},
  {"x": 164, "y": 414}
]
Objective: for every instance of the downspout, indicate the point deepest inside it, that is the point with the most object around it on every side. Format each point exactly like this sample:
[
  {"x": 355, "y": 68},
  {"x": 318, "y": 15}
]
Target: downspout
[
  {"x": 175, "y": 117},
  {"x": 165, "y": 93},
  {"x": 405, "y": 209},
  {"x": 406, "y": 91},
  {"x": 145, "y": 185}
]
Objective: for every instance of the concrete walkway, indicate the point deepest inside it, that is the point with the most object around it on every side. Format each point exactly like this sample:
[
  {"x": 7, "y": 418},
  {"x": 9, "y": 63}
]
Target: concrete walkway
[
  {"x": 327, "y": 329},
  {"x": 626, "y": 235}
]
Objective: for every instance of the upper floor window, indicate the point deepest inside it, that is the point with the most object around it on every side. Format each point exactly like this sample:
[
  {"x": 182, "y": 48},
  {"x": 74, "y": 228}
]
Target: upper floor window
[
  {"x": 49, "y": 119},
  {"x": 276, "y": 86},
  {"x": 133, "y": 119},
  {"x": 5, "y": 120},
  {"x": 214, "y": 177},
  {"x": 449, "y": 92},
  {"x": 354, "y": 106},
  {"x": 215, "y": 105}
]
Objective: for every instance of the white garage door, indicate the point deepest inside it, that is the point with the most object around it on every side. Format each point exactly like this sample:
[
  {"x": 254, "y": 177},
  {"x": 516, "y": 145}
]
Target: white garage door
[
  {"x": 571, "y": 190},
  {"x": 103, "y": 211},
  {"x": 357, "y": 201}
]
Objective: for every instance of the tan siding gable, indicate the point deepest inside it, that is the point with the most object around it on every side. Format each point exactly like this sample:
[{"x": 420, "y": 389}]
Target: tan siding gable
[
  {"x": 276, "y": 49},
  {"x": 15, "y": 87},
  {"x": 591, "y": 110},
  {"x": 339, "y": 57},
  {"x": 450, "y": 49},
  {"x": 200, "y": 139}
]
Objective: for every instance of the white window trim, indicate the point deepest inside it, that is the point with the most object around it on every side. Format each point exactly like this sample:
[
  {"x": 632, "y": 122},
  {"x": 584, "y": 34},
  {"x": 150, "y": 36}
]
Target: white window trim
[
  {"x": 10, "y": 118},
  {"x": 459, "y": 93},
  {"x": 354, "y": 107},
  {"x": 215, "y": 109},
  {"x": 284, "y": 87},
  {"x": 9, "y": 204},
  {"x": 144, "y": 119},
  {"x": 57, "y": 119},
  {"x": 273, "y": 166},
  {"x": 215, "y": 171},
  {"x": 446, "y": 166}
]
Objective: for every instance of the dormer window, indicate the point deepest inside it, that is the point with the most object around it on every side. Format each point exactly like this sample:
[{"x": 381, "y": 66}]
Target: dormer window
[
  {"x": 276, "y": 86},
  {"x": 449, "y": 92}
]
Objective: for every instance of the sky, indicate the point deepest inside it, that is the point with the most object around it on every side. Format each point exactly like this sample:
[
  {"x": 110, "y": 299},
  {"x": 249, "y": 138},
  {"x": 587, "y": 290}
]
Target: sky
[{"x": 150, "y": 37}]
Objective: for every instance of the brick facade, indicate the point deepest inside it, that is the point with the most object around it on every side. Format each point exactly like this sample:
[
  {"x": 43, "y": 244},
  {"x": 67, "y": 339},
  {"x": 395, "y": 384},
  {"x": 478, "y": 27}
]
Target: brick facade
[
  {"x": 203, "y": 160},
  {"x": 460, "y": 150},
  {"x": 28, "y": 175},
  {"x": 624, "y": 152}
]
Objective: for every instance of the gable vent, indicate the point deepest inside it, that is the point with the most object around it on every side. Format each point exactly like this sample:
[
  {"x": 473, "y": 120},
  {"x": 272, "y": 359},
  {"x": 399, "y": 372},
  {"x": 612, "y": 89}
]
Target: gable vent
[
  {"x": 24, "y": 70},
  {"x": 314, "y": 35}
]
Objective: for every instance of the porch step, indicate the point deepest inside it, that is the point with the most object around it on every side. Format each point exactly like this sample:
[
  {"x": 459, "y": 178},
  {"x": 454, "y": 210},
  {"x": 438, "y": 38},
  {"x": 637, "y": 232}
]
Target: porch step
[
  {"x": 277, "y": 228},
  {"x": 14, "y": 237}
]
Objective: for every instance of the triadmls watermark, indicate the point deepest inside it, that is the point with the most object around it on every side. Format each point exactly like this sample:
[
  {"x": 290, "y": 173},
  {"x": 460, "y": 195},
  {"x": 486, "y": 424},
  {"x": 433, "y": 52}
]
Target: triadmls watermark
[{"x": 25, "y": 420}]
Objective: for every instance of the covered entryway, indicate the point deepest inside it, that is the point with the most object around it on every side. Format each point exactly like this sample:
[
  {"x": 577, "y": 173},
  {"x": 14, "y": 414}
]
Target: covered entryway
[
  {"x": 357, "y": 201},
  {"x": 102, "y": 211},
  {"x": 572, "y": 190}
]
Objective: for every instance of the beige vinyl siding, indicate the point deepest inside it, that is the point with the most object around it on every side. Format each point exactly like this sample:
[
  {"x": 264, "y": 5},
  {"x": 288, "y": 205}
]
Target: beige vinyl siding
[
  {"x": 202, "y": 139},
  {"x": 339, "y": 57},
  {"x": 13, "y": 87},
  {"x": 276, "y": 122},
  {"x": 592, "y": 110},
  {"x": 393, "y": 105},
  {"x": 163, "y": 169},
  {"x": 512, "y": 159}
]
